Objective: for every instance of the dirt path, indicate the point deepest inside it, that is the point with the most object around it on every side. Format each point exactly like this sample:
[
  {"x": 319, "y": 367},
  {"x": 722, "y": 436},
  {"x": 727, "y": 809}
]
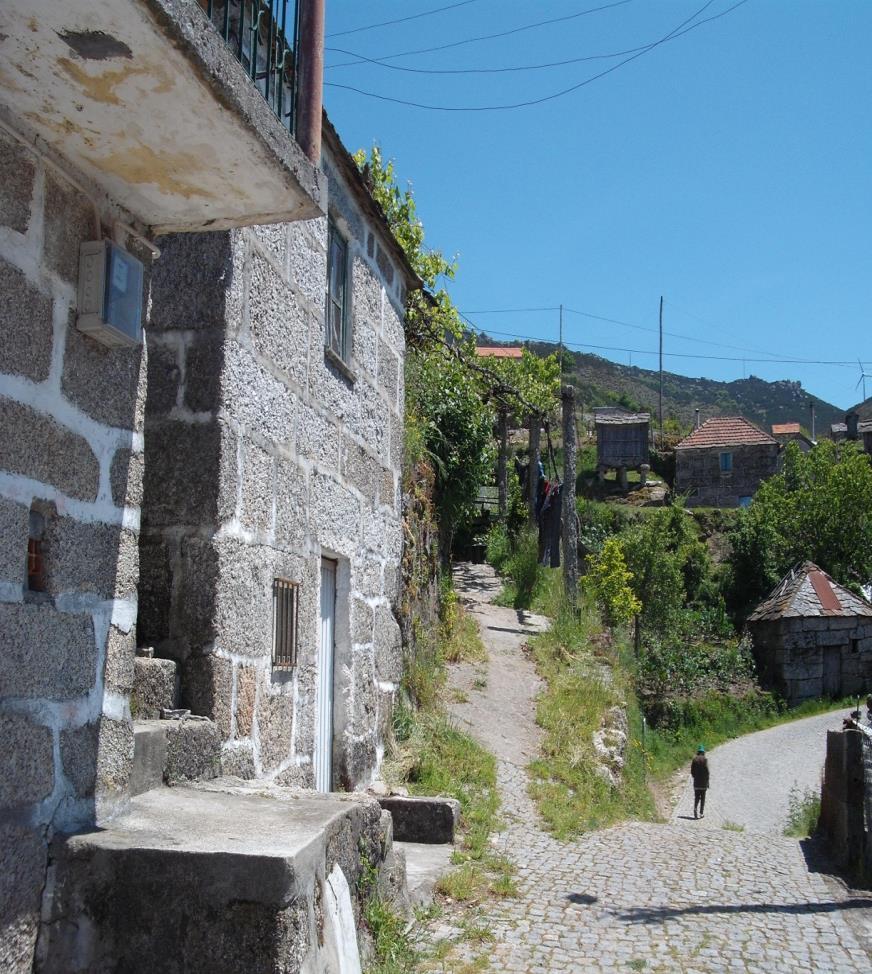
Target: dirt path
[
  {"x": 639, "y": 896},
  {"x": 752, "y": 777}
]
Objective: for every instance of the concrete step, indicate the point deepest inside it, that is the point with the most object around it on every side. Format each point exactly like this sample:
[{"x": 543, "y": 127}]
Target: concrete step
[
  {"x": 169, "y": 752},
  {"x": 219, "y": 877},
  {"x": 155, "y": 687}
]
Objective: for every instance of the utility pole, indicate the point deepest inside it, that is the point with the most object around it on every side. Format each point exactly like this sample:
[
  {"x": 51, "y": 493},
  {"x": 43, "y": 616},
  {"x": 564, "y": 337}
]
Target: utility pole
[
  {"x": 502, "y": 474},
  {"x": 570, "y": 524},
  {"x": 811, "y": 407},
  {"x": 533, "y": 469},
  {"x": 661, "y": 372},
  {"x": 560, "y": 347}
]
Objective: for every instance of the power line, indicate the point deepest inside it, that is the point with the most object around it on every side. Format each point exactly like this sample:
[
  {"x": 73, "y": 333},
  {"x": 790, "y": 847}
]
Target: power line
[
  {"x": 401, "y": 20},
  {"x": 381, "y": 62},
  {"x": 532, "y": 101},
  {"x": 630, "y": 324},
  {"x": 504, "y": 33},
  {"x": 672, "y": 334},
  {"x": 682, "y": 355}
]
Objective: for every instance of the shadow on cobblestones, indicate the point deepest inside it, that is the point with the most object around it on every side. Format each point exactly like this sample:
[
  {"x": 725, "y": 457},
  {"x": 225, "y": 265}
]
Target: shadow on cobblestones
[{"x": 662, "y": 913}]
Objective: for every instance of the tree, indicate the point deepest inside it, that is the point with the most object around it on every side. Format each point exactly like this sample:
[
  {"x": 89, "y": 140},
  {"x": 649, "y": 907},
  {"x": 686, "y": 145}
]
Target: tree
[
  {"x": 819, "y": 508},
  {"x": 608, "y": 581},
  {"x": 446, "y": 401}
]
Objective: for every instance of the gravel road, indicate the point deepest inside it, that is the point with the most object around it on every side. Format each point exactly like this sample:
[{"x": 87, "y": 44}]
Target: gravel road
[{"x": 752, "y": 777}]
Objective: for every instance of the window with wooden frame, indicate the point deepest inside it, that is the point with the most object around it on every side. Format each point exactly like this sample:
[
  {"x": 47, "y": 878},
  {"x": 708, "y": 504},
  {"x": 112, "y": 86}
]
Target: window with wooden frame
[
  {"x": 337, "y": 293},
  {"x": 726, "y": 462},
  {"x": 286, "y": 600}
]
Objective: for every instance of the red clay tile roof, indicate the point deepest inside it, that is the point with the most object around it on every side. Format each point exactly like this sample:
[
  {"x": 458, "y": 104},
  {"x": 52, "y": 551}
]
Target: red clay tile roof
[
  {"x": 501, "y": 352},
  {"x": 725, "y": 431},
  {"x": 782, "y": 429},
  {"x": 806, "y": 590}
]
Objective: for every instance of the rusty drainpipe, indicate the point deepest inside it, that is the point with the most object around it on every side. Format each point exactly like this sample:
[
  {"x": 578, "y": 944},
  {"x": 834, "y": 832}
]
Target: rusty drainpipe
[{"x": 310, "y": 92}]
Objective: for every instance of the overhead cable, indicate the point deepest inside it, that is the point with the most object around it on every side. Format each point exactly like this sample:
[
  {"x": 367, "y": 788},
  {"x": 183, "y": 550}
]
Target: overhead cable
[
  {"x": 684, "y": 355},
  {"x": 401, "y": 20},
  {"x": 532, "y": 101},
  {"x": 504, "y": 33},
  {"x": 514, "y": 69}
]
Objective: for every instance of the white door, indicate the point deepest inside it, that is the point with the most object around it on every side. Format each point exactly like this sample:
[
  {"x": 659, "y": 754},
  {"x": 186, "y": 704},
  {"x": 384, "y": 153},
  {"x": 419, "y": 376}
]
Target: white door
[{"x": 324, "y": 700}]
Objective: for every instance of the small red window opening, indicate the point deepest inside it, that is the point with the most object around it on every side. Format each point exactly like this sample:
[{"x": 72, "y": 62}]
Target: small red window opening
[
  {"x": 35, "y": 567},
  {"x": 36, "y": 552}
]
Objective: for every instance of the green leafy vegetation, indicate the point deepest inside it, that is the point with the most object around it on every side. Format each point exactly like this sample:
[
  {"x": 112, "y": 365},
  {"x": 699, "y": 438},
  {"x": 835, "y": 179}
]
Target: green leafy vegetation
[
  {"x": 804, "y": 811},
  {"x": 716, "y": 717},
  {"x": 608, "y": 582},
  {"x": 585, "y": 679},
  {"x": 819, "y": 509}
]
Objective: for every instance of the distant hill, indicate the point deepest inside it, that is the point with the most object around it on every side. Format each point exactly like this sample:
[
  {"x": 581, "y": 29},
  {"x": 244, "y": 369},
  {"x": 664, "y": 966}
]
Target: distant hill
[
  {"x": 603, "y": 383},
  {"x": 863, "y": 408}
]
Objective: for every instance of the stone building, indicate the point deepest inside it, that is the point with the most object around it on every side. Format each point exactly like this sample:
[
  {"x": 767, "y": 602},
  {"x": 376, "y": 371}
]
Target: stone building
[
  {"x": 723, "y": 462},
  {"x": 273, "y": 452},
  {"x": 621, "y": 442},
  {"x": 854, "y": 429},
  {"x": 792, "y": 433},
  {"x": 812, "y": 637},
  {"x": 221, "y": 491}
]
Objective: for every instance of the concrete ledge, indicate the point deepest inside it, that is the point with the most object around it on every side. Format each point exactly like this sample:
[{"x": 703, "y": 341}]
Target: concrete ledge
[
  {"x": 426, "y": 820},
  {"x": 210, "y": 879}
]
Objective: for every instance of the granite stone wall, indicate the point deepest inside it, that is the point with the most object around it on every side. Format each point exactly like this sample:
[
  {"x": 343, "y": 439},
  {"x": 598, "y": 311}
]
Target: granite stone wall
[
  {"x": 792, "y": 655},
  {"x": 698, "y": 473},
  {"x": 262, "y": 457},
  {"x": 844, "y": 790},
  {"x": 71, "y": 453}
]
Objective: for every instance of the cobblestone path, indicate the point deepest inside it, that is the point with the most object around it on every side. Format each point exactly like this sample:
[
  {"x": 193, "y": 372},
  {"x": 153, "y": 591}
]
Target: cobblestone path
[{"x": 639, "y": 896}]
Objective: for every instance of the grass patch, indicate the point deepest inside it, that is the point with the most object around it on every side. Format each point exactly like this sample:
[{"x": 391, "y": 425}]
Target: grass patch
[
  {"x": 729, "y": 826},
  {"x": 584, "y": 678},
  {"x": 394, "y": 951},
  {"x": 804, "y": 810},
  {"x": 716, "y": 717}
]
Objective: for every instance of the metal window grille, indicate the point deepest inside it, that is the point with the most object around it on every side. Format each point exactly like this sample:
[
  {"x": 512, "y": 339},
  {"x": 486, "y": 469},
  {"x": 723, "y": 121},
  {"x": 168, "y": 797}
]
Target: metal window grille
[
  {"x": 337, "y": 289},
  {"x": 285, "y": 608},
  {"x": 263, "y": 36}
]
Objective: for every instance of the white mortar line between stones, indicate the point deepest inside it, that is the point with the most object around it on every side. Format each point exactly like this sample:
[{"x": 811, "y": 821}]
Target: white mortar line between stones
[
  {"x": 24, "y": 489},
  {"x": 11, "y": 591}
]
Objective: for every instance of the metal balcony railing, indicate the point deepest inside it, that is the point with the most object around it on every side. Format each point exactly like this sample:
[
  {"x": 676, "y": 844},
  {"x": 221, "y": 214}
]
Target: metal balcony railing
[{"x": 263, "y": 36}]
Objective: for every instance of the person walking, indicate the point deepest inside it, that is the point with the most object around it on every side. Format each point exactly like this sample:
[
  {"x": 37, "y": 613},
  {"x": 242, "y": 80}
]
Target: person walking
[{"x": 699, "y": 771}]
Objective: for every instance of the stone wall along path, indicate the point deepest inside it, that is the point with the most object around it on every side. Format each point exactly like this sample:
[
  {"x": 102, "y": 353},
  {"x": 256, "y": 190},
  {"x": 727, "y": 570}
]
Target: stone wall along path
[{"x": 638, "y": 896}]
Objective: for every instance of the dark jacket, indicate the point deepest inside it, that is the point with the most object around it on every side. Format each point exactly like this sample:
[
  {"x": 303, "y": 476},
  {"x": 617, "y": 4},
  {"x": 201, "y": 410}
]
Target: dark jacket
[{"x": 699, "y": 771}]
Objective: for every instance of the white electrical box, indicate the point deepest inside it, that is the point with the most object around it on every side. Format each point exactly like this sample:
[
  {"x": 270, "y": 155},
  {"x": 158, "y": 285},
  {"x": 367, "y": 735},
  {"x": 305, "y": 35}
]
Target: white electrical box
[{"x": 110, "y": 294}]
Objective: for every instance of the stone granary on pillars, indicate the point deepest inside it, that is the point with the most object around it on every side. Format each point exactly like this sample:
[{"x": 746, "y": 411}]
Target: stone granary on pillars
[
  {"x": 621, "y": 442},
  {"x": 812, "y": 637},
  {"x": 199, "y": 457},
  {"x": 723, "y": 462}
]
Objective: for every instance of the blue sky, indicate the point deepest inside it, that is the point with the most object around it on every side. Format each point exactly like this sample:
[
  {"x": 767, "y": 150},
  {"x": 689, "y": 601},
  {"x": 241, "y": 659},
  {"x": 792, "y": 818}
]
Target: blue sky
[{"x": 727, "y": 169}]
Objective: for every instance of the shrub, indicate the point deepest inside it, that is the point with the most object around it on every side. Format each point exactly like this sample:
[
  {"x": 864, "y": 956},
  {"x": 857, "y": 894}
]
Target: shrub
[
  {"x": 804, "y": 810},
  {"x": 498, "y": 547}
]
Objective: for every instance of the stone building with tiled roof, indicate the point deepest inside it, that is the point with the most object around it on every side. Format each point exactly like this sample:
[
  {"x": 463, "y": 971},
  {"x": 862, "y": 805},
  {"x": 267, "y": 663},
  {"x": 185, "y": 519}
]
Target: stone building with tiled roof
[
  {"x": 791, "y": 433},
  {"x": 724, "y": 461},
  {"x": 812, "y": 637}
]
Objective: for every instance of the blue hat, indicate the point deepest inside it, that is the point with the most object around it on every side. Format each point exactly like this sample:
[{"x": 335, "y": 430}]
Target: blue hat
[{"x": 700, "y": 750}]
